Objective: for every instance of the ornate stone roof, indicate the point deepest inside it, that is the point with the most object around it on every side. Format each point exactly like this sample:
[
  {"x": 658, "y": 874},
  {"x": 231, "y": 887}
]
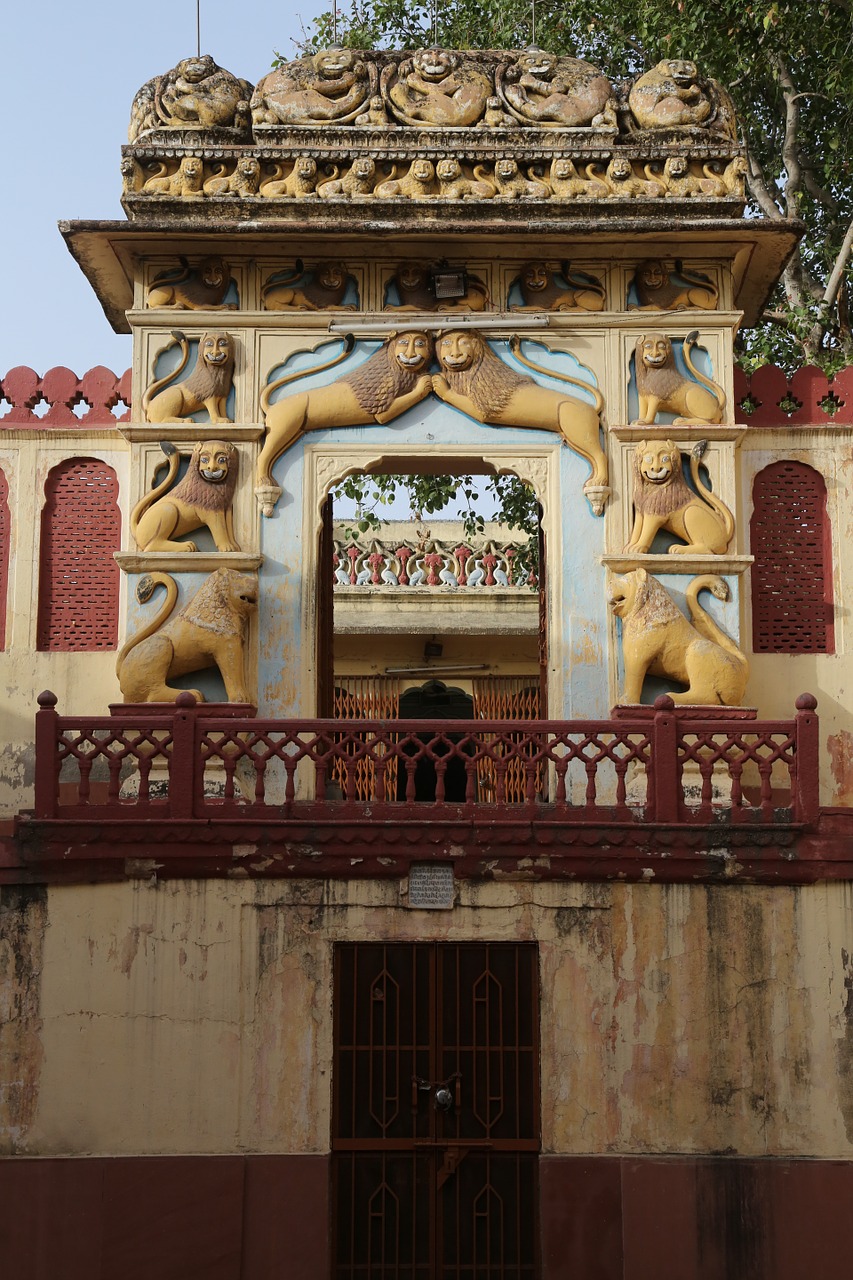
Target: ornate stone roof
[{"x": 434, "y": 125}]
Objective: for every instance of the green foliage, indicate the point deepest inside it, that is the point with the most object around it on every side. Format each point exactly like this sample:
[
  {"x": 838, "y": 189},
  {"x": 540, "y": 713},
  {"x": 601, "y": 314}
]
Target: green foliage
[
  {"x": 789, "y": 68},
  {"x": 515, "y": 504}
]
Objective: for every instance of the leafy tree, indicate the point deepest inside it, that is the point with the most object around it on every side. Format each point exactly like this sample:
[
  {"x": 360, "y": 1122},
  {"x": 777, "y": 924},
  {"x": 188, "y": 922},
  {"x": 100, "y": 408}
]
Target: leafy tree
[{"x": 789, "y": 69}]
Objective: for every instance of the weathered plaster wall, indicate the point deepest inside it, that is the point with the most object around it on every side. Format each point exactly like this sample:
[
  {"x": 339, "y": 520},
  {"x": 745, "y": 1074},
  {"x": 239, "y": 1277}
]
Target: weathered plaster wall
[
  {"x": 776, "y": 680},
  {"x": 196, "y": 1016},
  {"x": 84, "y": 682}
]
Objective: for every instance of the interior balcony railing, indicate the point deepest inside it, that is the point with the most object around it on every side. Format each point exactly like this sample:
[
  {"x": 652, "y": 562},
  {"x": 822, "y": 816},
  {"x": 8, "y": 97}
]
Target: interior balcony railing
[{"x": 662, "y": 765}]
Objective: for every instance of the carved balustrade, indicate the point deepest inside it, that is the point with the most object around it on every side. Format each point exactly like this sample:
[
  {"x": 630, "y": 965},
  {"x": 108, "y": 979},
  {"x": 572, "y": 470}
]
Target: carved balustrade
[
  {"x": 437, "y": 563},
  {"x": 661, "y": 765}
]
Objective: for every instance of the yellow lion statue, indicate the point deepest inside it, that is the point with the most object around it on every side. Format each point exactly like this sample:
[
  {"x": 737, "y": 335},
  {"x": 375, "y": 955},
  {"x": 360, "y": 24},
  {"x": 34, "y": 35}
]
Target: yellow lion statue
[
  {"x": 210, "y": 631},
  {"x": 663, "y": 500},
  {"x": 202, "y": 498},
  {"x": 658, "y": 640}
]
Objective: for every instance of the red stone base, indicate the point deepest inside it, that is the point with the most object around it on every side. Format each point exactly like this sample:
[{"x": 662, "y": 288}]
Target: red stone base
[{"x": 267, "y": 1218}]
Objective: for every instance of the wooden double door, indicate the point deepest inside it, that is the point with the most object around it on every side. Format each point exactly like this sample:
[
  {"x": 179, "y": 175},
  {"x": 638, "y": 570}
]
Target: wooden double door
[{"x": 436, "y": 1112}]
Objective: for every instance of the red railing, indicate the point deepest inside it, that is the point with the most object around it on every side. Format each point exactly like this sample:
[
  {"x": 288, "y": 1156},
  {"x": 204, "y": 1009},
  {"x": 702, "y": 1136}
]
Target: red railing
[
  {"x": 662, "y": 765},
  {"x": 58, "y": 393}
]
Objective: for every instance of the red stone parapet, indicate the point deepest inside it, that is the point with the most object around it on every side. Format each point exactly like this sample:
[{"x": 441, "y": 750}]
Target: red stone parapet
[
  {"x": 61, "y": 390},
  {"x": 770, "y": 398}
]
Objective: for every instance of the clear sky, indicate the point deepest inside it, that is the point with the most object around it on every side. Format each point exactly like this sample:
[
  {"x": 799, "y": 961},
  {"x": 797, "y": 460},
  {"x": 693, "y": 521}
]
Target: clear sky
[{"x": 69, "y": 76}]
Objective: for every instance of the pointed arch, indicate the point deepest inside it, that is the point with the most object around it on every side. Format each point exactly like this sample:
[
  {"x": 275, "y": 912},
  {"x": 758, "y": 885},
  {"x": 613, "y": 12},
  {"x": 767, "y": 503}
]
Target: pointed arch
[{"x": 78, "y": 576}]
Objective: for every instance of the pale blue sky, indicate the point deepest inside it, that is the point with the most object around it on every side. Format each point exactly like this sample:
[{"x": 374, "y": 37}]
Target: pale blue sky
[{"x": 69, "y": 76}]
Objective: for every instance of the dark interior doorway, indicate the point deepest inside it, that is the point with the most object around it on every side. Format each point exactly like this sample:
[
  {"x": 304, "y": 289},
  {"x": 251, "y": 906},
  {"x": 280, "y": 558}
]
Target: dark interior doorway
[{"x": 436, "y": 701}]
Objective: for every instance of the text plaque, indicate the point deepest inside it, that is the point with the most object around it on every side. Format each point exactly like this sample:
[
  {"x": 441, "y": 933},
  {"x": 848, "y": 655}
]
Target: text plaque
[{"x": 431, "y": 886}]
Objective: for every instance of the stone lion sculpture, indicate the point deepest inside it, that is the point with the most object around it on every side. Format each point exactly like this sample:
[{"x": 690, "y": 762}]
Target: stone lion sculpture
[
  {"x": 187, "y": 288},
  {"x": 673, "y": 95},
  {"x": 662, "y": 389},
  {"x": 202, "y": 499},
  {"x": 437, "y": 86},
  {"x": 331, "y": 85},
  {"x": 209, "y": 631},
  {"x": 474, "y": 380},
  {"x": 658, "y": 640},
  {"x": 412, "y": 281},
  {"x": 322, "y": 288},
  {"x": 540, "y": 88},
  {"x": 657, "y": 291},
  {"x": 663, "y": 500},
  {"x": 542, "y": 289},
  {"x": 207, "y": 387},
  {"x": 392, "y": 380},
  {"x": 196, "y": 94}
]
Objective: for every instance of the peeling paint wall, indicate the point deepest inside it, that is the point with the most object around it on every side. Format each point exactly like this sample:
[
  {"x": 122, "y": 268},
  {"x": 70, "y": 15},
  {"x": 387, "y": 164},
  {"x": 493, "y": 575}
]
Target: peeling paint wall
[{"x": 197, "y": 1016}]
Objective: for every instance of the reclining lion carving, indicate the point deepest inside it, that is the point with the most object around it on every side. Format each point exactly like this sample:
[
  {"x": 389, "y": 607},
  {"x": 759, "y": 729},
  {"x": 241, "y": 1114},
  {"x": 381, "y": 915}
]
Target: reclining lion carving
[
  {"x": 210, "y": 631},
  {"x": 476, "y": 381},
  {"x": 663, "y": 500},
  {"x": 202, "y": 499},
  {"x": 658, "y": 640}
]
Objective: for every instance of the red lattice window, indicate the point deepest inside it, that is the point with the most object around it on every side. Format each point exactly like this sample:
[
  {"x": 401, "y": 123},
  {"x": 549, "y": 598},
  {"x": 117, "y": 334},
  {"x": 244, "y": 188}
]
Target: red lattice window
[
  {"x": 78, "y": 577},
  {"x": 5, "y": 537},
  {"x": 792, "y": 574}
]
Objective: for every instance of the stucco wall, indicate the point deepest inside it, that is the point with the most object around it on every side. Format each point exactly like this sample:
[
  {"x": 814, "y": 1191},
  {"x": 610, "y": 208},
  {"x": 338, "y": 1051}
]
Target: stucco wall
[{"x": 196, "y": 1016}]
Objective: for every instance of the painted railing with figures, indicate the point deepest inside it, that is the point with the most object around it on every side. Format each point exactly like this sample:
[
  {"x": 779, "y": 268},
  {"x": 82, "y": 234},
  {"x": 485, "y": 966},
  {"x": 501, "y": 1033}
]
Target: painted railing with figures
[
  {"x": 662, "y": 765},
  {"x": 435, "y": 564}
]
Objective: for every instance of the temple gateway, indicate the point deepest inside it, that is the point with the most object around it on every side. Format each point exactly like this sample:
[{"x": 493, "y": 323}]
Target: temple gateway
[{"x": 427, "y": 902}]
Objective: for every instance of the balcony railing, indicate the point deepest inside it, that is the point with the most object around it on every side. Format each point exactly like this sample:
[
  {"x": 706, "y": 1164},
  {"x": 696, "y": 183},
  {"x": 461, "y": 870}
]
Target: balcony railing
[{"x": 663, "y": 765}]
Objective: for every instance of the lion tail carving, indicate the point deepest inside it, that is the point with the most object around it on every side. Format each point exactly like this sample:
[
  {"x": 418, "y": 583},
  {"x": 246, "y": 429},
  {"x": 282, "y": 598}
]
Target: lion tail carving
[
  {"x": 715, "y": 389},
  {"x": 577, "y": 282},
  {"x": 296, "y": 274},
  {"x": 696, "y": 454},
  {"x": 349, "y": 343},
  {"x": 144, "y": 590},
  {"x": 150, "y": 498},
  {"x": 149, "y": 395},
  {"x": 598, "y": 398},
  {"x": 703, "y": 622}
]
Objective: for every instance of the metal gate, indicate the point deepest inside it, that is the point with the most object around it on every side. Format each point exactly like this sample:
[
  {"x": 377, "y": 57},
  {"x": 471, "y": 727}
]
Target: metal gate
[{"x": 436, "y": 1112}]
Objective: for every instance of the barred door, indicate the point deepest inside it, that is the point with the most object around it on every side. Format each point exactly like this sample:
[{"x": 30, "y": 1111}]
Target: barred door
[{"x": 436, "y": 1112}]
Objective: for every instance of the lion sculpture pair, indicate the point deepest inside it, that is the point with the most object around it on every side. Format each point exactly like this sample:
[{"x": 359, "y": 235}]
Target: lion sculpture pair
[{"x": 471, "y": 378}]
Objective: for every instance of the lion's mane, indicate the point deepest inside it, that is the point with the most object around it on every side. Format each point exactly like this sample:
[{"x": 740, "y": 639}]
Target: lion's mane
[
  {"x": 378, "y": 382},
  {"x": 661, "y": 499},
  {"x": 209, "y": 380},
  {"x": 205, "y": 495},
  {"x": 652, "y": 607},
  {"x": 217, "y": 605},
  {"x": 487, "y": 380},
  {"x": 662, "y": 381}
]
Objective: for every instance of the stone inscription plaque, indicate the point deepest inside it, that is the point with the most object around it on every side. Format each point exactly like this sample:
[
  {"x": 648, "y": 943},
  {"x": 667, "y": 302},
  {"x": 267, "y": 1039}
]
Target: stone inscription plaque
[{"x": 431, "y": 886}]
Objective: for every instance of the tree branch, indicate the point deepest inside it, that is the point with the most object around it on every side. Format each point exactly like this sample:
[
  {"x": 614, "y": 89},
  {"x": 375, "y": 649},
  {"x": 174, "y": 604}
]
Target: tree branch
[
  {"x": 759, "y": 189},
  {"x": 833, "y": 284},
  {"x": 790, "y": 142}
]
